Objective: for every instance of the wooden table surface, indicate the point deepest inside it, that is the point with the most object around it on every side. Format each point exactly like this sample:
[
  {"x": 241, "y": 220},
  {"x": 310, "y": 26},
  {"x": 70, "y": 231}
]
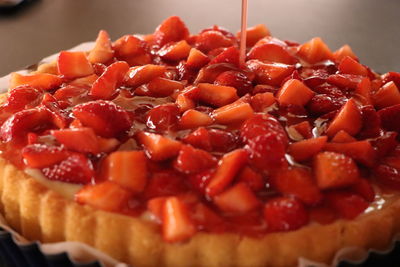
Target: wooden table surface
[{"x": 44, "y": 27}]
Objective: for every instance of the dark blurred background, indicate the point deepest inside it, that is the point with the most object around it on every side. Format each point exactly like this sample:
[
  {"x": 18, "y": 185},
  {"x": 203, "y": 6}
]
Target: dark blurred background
[{"x": 43, "y": 27}]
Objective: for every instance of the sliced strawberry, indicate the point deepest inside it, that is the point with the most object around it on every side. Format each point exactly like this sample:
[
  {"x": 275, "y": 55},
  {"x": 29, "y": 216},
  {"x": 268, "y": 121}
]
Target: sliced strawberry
[
  {"x": 344, "y": 51},
  {"x": 104, "y": 117},
  {"x": 105, "y": 196},
  {"x": 78, "y": 139},
  {"x": 208, "y": 219},
  {"x": 199, "y": 138},
  {"x": 59, "y": 116},
  {"x": 155, "y": 206},
  {"x": 385, "y": 144},
  {"x": 271, "y": 52},
  {"x": 343, "y": 137},
  {"x": 175, "y": 51},
  {"x": 177, "y": 225},
  {"x": 333, "y": 170},
  {"x": 371, "y": 122},
  {"x": 302, "y": 128},
  {"x": 390, "y": 118},
  {"x": 388, "y": 95},
  {"x": 223, "y": 141},
  {"x": 127, "y": 168},
  {"x": 209, "y": 40},
  {"x": 297, "y": 182},
  {"x": 314, "y": 51},
  {"x": 75, "y": 169},
  {"x": 349, "y": 66},
  {"x": 158, "y": 147},
  {"x": 163, "y": 117},
  {"x": 348, "y": 119},
  {"x": 217, "y": 95},
  {"x": 105, "y": 86},
  {"x": 285, "y": 214},
  {"x": 173, "y": 29},
  {"x": 40, "y": 81},
  {"x": 129, "y": 46},
  {"x": 74, "y": 64},
  {"x": 306, "y": 149},
  {"x": 253, "y": 179},
  {"x": 361, "y": 151},
  {"x": 196, "y": 59},
  {"x": 194, "y": 119},
  {"x": 184, "y": 102},
  {"x": 345, "y": 80},
  {"x": 347, "y": 204},
  {"x": 165, "y": 183},
  {"x": 294, "y": 92},
  {"x": 102, "y": 51},
  {"x": 235, "y": 112},
  {"x": 229, "y": 55},
  {"x": 364, "y": 188},
  {"x": 228, "y": 167},
  {"x": 140, "y": 75},
  {"x": 235, "y": 79},
  {"x": 388, "y": 173},
  {"x": 40, "y": 156},
  {"x": 270, "y": 73},
  {"x": 191, "y": 160},
  {"x": 20, "y": 98},
  {"x": 254, "y": 34},
  {"x": 261, "y": 101},
  {"x": 24, "y": 121},
  {"x": 237, "y": 199},
  {"x": 69, "y": 92},
  {"x": 161, "y": 87}
]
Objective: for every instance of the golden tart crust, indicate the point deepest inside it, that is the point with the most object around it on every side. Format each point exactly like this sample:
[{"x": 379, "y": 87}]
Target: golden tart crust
[{"x": 39, "y": 213}]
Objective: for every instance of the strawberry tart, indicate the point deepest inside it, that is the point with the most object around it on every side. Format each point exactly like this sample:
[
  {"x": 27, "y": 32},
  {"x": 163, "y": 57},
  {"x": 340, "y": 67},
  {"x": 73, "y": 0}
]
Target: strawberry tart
[{"x": 166, "y": 150}]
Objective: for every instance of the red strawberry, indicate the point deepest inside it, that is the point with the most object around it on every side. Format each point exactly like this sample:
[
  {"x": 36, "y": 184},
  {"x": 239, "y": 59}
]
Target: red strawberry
[
  {"x": 196, "y": 59},
  {"x": 40, "y": 156},
  {"x": 347, "y": 204},
  {"x": 59, "y": 116},
  {"x": 253, "y": 179},
  {"x": 345, "y": 80},
  {"x": 200, "y": 180},
  {"x": 235, "y": 79},
  {"x": 237, "y": 199},
  {"x": 20, "y": 98},
  {"x": 158, "y": 147},
  {"x": 75, "y": 169},
  {"x": 270, "y": 52},
  {"x": 172, "y": 29},
  {"x": 191, "y": 160},
  {"x": 137, "y": 76},
  {"x": 163, "y": 117},
  {"x": 208, "y": 219},
  {"x": 199, "y": 138},
  {"x": 364, "y": 189},
  {"x": 40, "y": 81},
  {"x": 361, "y": 151},
  {"x": 74, "y": 64},
  {"x": 390, "y": 118},
  {"x": 175, "y": 51},
  {"x": 209, "y": 40},
  {"x": 106, "y": 196},
  {"x": 388, "y": 175},
  {"x": 164, "y": 183},
  {"x": 307, "y": 148},
  {"x": 106, "y": 118},
  {"x": 269, "y": 73},
  {"x": 285, "y": 214},
  {"x": 229, "y": 55},
  {"x": 78, "y": 139},
  {"x": 105, "y": 86},
  {"x": 102, "y": 51}
]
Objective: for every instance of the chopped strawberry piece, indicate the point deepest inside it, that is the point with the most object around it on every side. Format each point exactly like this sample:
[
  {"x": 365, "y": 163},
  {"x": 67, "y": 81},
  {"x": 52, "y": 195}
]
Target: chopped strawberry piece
[
  {"x": 196, "y": 59},
  {"x": 235, "y": 79},
  {"x": 155, "y": 206},
  {"x": 105, "y": 196},
  {"x": 59, "y": 116},
  {"x": 127, "y": 168},
  {"x": 297, "y": 182},
  {"x": 294, "y": 92},
  {"x": 271, "y": 52},
  {"x": 173, "y": 29},
  {"x": 163, "y": 117},
  {"x": 254, "y": 34},
  {"x": 349, "y": 66},
  {"x": 306, "y": 149},
  {"x": 20, "y": 98},
  {"x": 364, "y": 188},
  {"x": 303, "y": 128},
  {"x": 164, "y": 183},
  {"x": 105, "y": 86},
  {"x": 175, "y": 51},
  {"x": 104, "y": 117},
  {"x": 69, "y": 92},
  {"x": 191, "y": 160},
  {"x": 199, "y": 138},
  {"x": 347, "y": 204},
  {"x": 158, "y": 147},
  {"x": 344, "y": 51},
  {"x": 193, "y": 119},
  {"x": 177, "y": 225},
  {"x": 236, "y": 112},
  {"x": 348, "y": 119},
  {"x": 40, "y": 81},
  {"x": 129, "y": 46},
  {"x": 322, "y": 103},
  {"x": 361, "y": 151},
  {"x": 314, "y": 51},
  {"x": 140, "y": 75},
  {"x": 184, "y": 102},
  {"x": 388, "y": 95},
  {"x": 24, "y": 121},
  {"x": 40, "y": 156},
  {"x": 222, "y": 141},
  {"x": 343, "y": 137},
  {"x": 102, "y": 51},
  {"x": 228, "y": 167},
  {"x": 388, "y": 174},
  {"x": 345, "y": 80},
  {"x": 261, "y": 101},
  {"x": 161, "y": 87},
  {"x": 229, "y": 55},
  {"x": 74, "y": 64},
  {"x": 390, "y": 118},
  {"x": 253, "y": 179},
  {"x": 371, "y": 122},
  {"x": 209, "y": 73},
  {"x": 270, "y": 73},
  {"x": 75, "y": 169},
  {"x": 333, "y": 170},
  {"x": 206, "y": 218},
  {"x": 78, "y": 139},
  {"x": 385, "y": 144},
  {"x": 199, "y": 181},
  {"x": 237, "y": 199},
  {"x": 217, "y": 95},
  {"x": 285, "y": 214},
  {"x": 209, "y": 40}
]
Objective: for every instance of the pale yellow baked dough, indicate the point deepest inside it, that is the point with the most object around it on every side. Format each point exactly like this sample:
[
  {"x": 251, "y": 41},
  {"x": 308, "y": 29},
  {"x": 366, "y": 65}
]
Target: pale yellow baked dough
[{"x": 41, "y": 214}]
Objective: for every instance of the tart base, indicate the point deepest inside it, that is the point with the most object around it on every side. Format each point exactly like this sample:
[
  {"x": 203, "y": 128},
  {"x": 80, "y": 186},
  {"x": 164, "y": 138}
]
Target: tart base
[{"x": 42, "y": 214}]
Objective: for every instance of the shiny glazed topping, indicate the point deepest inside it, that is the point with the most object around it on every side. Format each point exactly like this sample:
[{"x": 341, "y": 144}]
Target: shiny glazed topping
[{"x": 169, "y": 126}]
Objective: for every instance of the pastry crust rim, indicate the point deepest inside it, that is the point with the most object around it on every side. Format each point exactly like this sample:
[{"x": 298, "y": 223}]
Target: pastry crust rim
[{"x": 39, "y": 213}]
